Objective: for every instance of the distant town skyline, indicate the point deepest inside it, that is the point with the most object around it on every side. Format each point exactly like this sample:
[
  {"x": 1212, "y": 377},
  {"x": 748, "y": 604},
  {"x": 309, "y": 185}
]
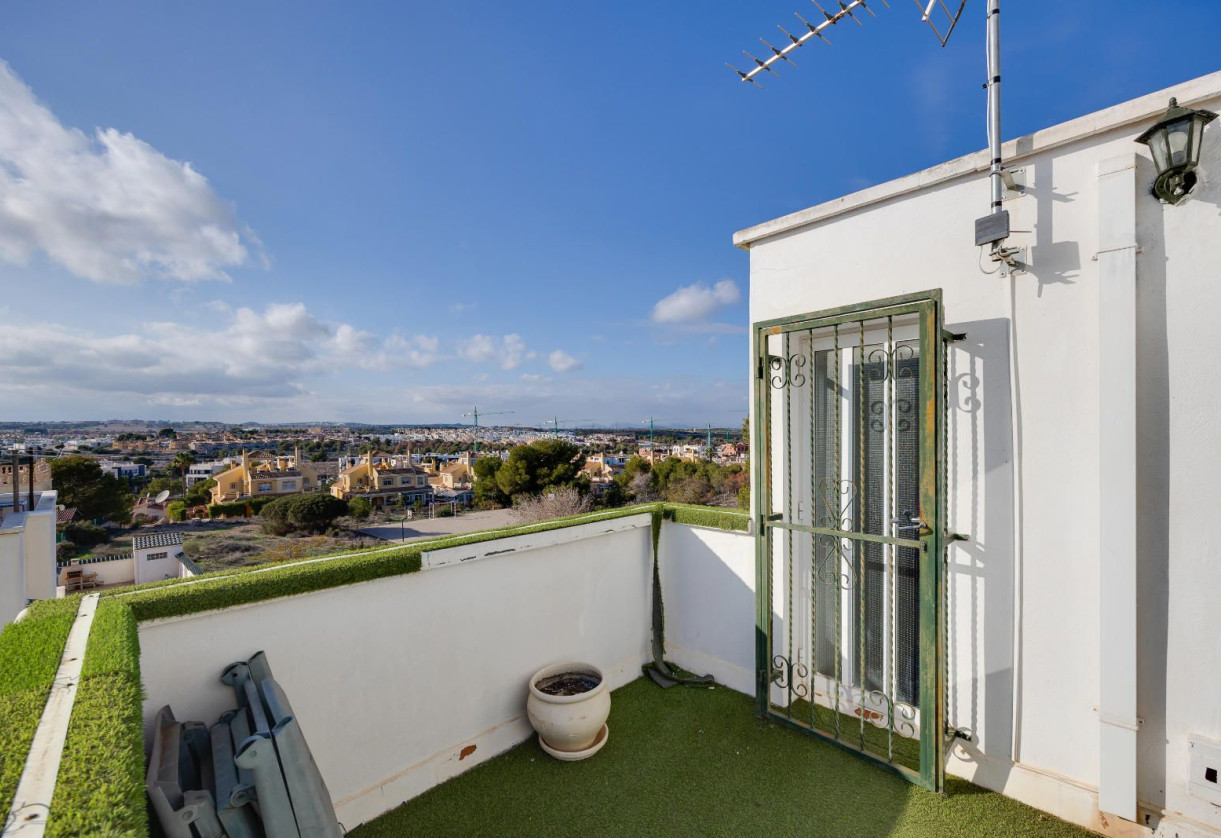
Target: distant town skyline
[{"x": 307, "y": 212}]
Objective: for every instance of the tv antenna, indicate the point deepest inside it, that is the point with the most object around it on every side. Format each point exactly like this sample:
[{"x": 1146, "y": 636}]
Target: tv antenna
[
  {"x": 942, "y": 18},
  {"x": 474, "y": 411}
]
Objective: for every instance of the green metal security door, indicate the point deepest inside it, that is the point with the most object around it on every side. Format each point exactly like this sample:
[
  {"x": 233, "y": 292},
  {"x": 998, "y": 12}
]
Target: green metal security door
[{"x": 848, "y": 430}]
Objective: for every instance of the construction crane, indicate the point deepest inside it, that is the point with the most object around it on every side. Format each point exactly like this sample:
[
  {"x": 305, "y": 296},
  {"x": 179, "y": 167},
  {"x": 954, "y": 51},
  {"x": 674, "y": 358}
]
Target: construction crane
[
  {"x": 474, "y": 411},
  {"x": 555, "y": 423}
]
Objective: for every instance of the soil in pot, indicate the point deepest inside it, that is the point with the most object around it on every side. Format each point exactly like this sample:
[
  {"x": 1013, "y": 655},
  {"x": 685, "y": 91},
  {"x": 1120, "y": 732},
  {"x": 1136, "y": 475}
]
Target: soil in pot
[{"x": 567, "y": 683}]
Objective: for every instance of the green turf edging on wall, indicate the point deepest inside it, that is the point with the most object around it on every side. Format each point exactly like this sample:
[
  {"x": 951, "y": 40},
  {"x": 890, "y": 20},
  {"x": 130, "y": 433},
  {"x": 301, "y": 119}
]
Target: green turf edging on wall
[
  {"x": 30, "y": 652},
  {"x": 100, "y": 788},
  {"x": 708, "y": 516},
  {"x": 225, "y": 589}
]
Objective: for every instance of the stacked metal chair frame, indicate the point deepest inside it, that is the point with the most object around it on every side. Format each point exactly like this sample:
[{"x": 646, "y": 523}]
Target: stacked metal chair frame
[{"x": 251, "y": 775}]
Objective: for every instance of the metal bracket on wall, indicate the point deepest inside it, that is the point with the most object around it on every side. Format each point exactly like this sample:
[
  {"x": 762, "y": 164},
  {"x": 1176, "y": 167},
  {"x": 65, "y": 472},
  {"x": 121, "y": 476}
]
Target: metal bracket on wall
[
  {"x": 1017, "y": 182},
  {"x": 1017, "y": 261}
]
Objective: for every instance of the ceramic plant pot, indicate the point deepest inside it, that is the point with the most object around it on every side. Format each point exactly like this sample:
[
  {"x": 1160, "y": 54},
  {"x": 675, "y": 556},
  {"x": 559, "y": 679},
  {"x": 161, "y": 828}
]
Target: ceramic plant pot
[{"x": 568, "y": 706}]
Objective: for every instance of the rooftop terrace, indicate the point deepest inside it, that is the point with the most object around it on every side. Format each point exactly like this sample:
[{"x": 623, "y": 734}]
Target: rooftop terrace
[{"x": 696, "y": 761}]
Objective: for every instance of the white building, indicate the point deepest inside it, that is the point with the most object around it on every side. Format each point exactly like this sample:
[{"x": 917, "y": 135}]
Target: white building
[
  {"x": 124, "y": 469},
  {"x": 1081, "y": 453},
  {"x": 198, "y": 472},
  {"x": 154, "y": 557},
  {"x": 27, "y": 551}
]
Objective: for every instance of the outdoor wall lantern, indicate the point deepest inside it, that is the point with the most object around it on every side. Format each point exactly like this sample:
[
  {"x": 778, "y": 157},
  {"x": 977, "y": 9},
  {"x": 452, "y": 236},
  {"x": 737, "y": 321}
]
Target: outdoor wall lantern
[{"x": 1175, "y": 143}]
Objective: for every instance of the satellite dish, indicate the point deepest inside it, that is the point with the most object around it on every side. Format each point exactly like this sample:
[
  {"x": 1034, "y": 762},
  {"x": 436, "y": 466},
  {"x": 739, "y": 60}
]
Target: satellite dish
[{"x": 163, "y": 496}]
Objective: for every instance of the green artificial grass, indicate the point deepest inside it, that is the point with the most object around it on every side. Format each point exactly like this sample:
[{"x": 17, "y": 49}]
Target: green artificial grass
[
  {"x": 30, "y": 652},
  {"x": 100, "y": 787},
  {"x": 695, "y": 761}
]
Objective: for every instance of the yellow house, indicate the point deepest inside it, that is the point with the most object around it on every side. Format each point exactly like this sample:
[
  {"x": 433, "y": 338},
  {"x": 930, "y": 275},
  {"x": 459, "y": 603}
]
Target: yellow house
[
  {"x": 390, "y": 477},
  {"x": 457, "y": 475},
  {"x": 263, "y": 478}
]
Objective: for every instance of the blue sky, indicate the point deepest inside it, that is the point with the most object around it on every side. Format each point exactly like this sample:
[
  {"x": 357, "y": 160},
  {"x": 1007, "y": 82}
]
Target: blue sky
[{"x": 394, "y": 211}]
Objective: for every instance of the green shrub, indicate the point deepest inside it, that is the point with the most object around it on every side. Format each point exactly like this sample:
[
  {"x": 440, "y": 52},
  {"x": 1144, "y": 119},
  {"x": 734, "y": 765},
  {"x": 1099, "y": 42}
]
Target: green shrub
[
  {"x": 65, "y": 549},
  {"x": 86, "y": 534},
  {"x": 176, "y": 511},
  {"x": 360, "y": 508},
  {"x": 239, "y": 508},
  {"x": 312, "y": 512},
  {"x": 444, "y": 511}
]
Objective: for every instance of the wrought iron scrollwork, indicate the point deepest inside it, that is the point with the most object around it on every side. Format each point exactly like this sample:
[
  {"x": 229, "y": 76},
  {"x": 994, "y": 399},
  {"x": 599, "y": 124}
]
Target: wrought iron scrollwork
[
  {"x": 836, "y": 497},
  {"x": 835, "y": 568},
  {"x": 885, "y": 363},
  {"x": 905, "y": 720},
  {"x": 787, "y": 371},
  {"x": 903, "y": 409},
  {"x": 783, "y": 672}
]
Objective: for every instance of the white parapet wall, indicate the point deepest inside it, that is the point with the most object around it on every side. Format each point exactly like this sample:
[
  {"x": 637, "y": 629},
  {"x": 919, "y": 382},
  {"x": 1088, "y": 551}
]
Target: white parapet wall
[
  {"x": 401, "y": 683},
  {"x": 708, "y": 587},
  {"x": 12, "y": 572}
]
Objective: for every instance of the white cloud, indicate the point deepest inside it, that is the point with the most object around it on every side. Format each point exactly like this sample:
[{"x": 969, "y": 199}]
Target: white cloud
[
  {"x": 695, "y": 302},
  {"x": 270, "y": 354},
  {"x": 419, "y": 351},
  {"x": 508, "y": 352},
  {"x": 561, "y": 361},
  {"x": 107, "y": 207}
]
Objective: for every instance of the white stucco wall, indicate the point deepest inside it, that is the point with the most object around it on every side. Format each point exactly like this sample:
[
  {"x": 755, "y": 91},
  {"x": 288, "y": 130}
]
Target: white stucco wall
[
  {"x": 1024, "y": 641},
  {"x": 152, "y": 570},
  {"x": 708, "y": 587},
  {"x": 394, "y": 680},
  {"x": 12, "y": 573},
  {"x": 116, "y": 572},
  {"x": 39, "y": 546}
]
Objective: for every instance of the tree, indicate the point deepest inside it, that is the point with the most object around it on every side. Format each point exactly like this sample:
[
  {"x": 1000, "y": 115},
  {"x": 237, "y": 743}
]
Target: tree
[
  {"x": 360, "y": 508},
  {"x": 313, "y": 512},
  {"x": 487, "y": 491},
  {"x": 81, "y": 483},
  {"x": 162, "y": 484},
  {"x": 532, "y": 469},
  {"x": 200, "y": 493},
  {"x": 182, "y": 463}
]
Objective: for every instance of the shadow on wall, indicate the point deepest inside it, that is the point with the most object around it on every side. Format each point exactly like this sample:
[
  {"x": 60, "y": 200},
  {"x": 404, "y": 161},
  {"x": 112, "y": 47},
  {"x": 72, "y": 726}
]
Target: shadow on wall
[
  {"x": 980, "y": 579},
  {"x": 1052, "y": 262}
]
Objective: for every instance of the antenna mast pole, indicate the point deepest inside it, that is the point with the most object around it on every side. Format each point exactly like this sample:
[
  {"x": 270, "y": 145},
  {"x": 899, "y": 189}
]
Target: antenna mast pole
[{"x": 994, "y": 106}]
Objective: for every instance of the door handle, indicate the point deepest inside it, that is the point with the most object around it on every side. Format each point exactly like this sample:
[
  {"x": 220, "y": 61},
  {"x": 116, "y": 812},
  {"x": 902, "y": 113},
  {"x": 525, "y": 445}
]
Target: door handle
[{"x": 907, "y": 522}]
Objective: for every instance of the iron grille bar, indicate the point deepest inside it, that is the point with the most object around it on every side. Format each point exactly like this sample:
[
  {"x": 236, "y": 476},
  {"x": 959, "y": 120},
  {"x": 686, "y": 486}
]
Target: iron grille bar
[{"x": 857, "y": 536}]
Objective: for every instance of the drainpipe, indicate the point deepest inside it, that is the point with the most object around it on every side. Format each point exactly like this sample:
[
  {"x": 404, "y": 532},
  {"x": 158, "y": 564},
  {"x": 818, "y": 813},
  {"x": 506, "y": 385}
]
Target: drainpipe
[{"x": 1117, "y": 249}]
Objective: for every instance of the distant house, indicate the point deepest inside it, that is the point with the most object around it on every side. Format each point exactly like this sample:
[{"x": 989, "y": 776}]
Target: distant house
[
  {"x": 153, "y": 557},
  {"x": 198, "y": 472},
  {"x": 124, "y": 469},
  {"x": 456, "y": 475},
  {"x": 602, "y": 468},
  {"x": 381, "y": 479},
  {"x": 42, "y": 477},
  {"x": 252, "y": 478},
  {"x": 147, "y": 511}
]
